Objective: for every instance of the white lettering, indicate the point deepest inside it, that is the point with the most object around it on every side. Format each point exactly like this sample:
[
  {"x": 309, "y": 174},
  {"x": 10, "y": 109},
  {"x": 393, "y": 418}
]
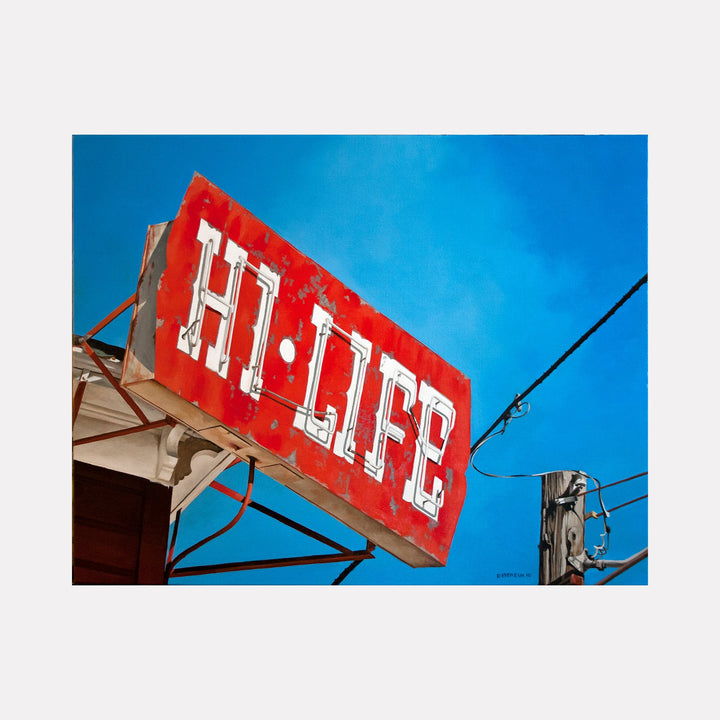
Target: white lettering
[
  {"x": 305, "y": 416},
  {"x": 189, "y": 342},
  {"x": 251, "y": 379},
  {"x": 414, "y": 491},
  {"x": 218, "y": 355},
  {"x": 319, "y": 425},
  {"x": 345, "y": 438},
  {"x": 394, "y": 375}
]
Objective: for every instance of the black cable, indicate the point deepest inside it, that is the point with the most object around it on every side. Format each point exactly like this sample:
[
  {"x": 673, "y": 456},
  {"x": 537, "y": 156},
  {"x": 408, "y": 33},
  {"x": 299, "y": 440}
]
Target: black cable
[
  {"x": 599, "y": 549},
  {"x": 560, "y": 360}
]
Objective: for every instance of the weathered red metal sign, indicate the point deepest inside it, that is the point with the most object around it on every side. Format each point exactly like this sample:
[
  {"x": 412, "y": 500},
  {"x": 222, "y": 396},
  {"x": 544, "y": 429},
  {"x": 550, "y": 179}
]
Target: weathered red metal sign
[{"x": 243, "y": 338}]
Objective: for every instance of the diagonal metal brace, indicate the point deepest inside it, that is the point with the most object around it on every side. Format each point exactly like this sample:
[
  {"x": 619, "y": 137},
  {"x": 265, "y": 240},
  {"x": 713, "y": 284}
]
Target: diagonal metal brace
[
  {"x": 111, "y": 379},
  {"x": 273, "y": 563}
]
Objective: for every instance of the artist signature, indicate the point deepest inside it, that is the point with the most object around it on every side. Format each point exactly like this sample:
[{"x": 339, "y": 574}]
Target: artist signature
[{"x": 506, "y": 575}]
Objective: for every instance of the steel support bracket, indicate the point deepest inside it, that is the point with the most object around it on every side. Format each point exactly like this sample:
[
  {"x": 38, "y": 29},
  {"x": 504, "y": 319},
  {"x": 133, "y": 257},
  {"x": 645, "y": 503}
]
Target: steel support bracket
[{"x": 581, "y": 562}]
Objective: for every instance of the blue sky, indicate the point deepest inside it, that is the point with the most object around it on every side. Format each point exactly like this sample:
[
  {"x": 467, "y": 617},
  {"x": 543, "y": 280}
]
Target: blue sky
[{"x": 498, "y": 252}]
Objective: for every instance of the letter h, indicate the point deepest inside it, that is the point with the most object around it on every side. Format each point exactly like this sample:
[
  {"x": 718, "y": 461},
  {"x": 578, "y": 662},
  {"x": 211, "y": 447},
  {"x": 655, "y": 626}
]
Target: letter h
[{"x": 189, "y": 341}]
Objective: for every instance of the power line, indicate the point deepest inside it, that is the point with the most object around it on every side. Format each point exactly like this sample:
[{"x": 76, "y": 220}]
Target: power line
[
  {"x": 617, "y": 482},
  {"x": 629, "y": 502},
  {"x": 506, "y": 415}
]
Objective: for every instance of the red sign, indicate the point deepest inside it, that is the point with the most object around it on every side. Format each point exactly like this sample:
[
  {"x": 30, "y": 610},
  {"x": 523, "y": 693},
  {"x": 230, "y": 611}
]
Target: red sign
[{"x": 243, "y": 338}]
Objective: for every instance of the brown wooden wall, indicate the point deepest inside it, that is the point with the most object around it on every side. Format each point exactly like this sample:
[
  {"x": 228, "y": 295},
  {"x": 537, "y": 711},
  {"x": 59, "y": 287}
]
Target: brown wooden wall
[{"x": 120, "y": 527}]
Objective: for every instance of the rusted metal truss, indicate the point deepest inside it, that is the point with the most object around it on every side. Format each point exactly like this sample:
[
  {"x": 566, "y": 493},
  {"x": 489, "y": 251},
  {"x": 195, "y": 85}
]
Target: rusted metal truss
[
  {"x": 125, "y": 431},
  {"x": 355, "y": 557},
  {"x": 275, "y": 563},
  {"x": 80, "y": 390}
]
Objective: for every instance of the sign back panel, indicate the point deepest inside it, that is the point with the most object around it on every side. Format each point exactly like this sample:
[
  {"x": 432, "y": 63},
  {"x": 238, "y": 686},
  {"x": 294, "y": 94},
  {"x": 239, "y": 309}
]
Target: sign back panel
[{"x": 240, "y": 336}]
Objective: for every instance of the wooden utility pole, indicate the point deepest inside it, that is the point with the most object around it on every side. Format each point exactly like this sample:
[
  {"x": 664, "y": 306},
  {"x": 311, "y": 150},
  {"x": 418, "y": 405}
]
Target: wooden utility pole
[{"x": 562, "y": 528}]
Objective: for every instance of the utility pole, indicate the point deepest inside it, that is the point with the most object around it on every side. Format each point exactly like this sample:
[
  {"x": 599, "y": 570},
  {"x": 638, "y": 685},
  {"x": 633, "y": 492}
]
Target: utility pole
[{"x": 562, "y": 528}]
